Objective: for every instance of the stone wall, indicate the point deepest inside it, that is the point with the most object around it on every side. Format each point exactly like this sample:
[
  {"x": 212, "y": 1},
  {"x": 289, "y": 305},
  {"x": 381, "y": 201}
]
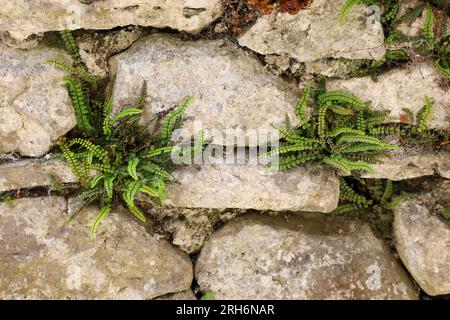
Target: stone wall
[{"x": 283, "y": 245}]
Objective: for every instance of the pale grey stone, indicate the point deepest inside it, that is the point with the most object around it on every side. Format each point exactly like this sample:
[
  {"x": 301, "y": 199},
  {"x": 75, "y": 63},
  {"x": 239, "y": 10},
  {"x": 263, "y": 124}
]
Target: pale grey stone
[
  {"x": 23, "y": 18},
  {"x": 299, "y": 257},
  {"x": 35, "y": 108},
  {"x": 231, "y": 89},
  {"x": 316, "y": 33},
  {"x": 422, "y": 239},
  {"x": 43, "y": 257},
  {"x": 248, "y": 187},
  {"x": 402, "y": 88},
  {"x": 34, "y": 173}
]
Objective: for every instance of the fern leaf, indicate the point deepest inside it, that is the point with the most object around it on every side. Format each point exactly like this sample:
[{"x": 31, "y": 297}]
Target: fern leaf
[
  {"x": 106, "y": 209},
  {"x": 150, "y": 191},
  {"x": 107, "y": 121},
  {"x": 291, "y": 148},
  {"x": 337, "y": 162},
  {"x": 70, "y": 45},
  {"x": 80, "y": 104},
  {"x": 292, "y": 161},
  {"x": 159, "y": 151},
  {"x": 108, "y": 184},
  {"x": 96, "y": 180},
  {"x": 157, "y": 170},
  {"x": 424, "y": 115},
  {"x": 72, "y": 161},
  {"x": 302, "y": 104},
  {"x": 345, "y": 208},
  {"x": 96, "y": 150},
  {"x": 132, "y": 165},
  {"x": 347, "y": 193},
  {"x": 442, "y": 70},
  {"x": 346, "y": 8},
  {"x": 340, "y": 131},
  {"x": 126, "y": 113},
  {"x": 367, "y": 147},
  {"x": 341, "y": 97},
  {"x": 428, "y": 26},
  {"x": 388, "y": 191},
  {"x": 140, "y": 103},
  {"x": 322, "y": 124},
  {"x": 173, "y": 119},
  {"x": 359, "y": 138}
]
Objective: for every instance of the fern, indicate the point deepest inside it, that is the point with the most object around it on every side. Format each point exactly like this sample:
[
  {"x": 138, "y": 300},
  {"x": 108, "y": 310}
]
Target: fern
[
  {"x": 428, "y": 27},
  {"x": 302, "y": 104},
  {"x": 70, "y": 45},
  {"x": 347, "y": 193},
  {"x": 80, "y": 104},
  {"x": 132, "y": 166},
  {"x": 173, "y": 119},
  {"x": 106, "y": 209},
  {"x": 359, "y": 138},
  {"x": 341, "y": 97},
  {"x": 424, "y": 115},
  {"x": 346, "y": 8}
]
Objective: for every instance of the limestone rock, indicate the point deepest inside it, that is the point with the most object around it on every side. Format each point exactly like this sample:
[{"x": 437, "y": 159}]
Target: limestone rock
[
  {"x": 407, "y": 163},
  {"x": 248, "y": 187},
  {"x": 41, "y": 257},
  {"x": 231, "y": 89},
  {"x": 423, "y": 240},
  {"x": 34, "y": 173},
  {"x": 23, "y": 18},
  {"x": 316, "y": 33},
  {"x": 185, "y": 295},
  {"x": 402, "y": 88},
  {"x": 97, "y": 47},
  {"x": 34, "y": 105},
  {"x": 299, "y": 257}
]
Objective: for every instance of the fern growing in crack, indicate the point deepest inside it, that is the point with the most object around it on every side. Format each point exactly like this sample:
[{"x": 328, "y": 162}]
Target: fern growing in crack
[{"x": 115, "y": 158}]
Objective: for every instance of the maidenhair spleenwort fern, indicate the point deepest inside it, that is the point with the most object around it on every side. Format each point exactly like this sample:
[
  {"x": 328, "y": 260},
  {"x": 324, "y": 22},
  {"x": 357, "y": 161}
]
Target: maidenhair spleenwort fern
[
  {"x": 336, "y": 135},
  {"x": 115, "y": 158}
]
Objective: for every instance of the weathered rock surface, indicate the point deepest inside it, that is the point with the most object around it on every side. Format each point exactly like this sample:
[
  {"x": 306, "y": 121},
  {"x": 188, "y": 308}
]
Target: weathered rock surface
[
  {"x": 34, "y": 105},
  {"x": 402, "y": 88},
  {"x": 423, "y": 239},
  {"x": 248, "y": 187},
  {"x": 185, "y": 295},
  {"x": 410, "y": 163},
  {"x": 34, "y": 173},
  {"x": 96, "y": 47},
  {"x": 231, "y": 89},
  {"x": 23, "y": 18},
  {"x": 41, "y": 257},
  {"x": 299, "y": 257},
  {"x": 316, "y": 33}
]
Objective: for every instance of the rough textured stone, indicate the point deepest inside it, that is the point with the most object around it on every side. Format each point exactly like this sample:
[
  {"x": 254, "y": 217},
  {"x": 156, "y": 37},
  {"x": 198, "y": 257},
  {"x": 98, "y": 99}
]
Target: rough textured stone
[
  {"x": 299, "y": 257},
  {"x": 41, "y": 257},
  {"x": 423, "y": 240},
  {"x": 410, "y": 163},
  {"x": 23, "y": 18},
  {"x": 34, "y": 173},
  {"x": 97, "y": 47},
  {"x": 231, "y": 89},
  {"x": 185, "y": 295},
  {"x": 402, "y": 88},
  {"x": 316, "y": 33},
  {"x": 247, "y": 187},
  {"x": 34, "y": 105}
]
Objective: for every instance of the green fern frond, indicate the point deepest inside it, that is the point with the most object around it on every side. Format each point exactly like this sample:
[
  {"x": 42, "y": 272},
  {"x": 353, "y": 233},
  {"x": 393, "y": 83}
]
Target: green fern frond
[
  {"x": 346, "y": 8},
  {"x": 361, "y": 121},
  {"x": 159, "y": 151},
  {"x": 292, "y": 161},
  {"x": 96, "y": 180},
  {"x": 345, "y": 209},
  {"x": 106, "y": 209},
  {"x": 132, "y": 166},
  {"x": 140, "y": 103},
  {"x": 126, "y": 113},
  {"x": 157, "y": 170},
  {"x": 442, "y": 70},
  {"x": 339, "y": 131},
  {"x": 322, "y": 123},
  {"x": 173, "y": 118},
  {"x": 428, "y": 26},
  {"x": 75, "y": 71},
  {"x": 96, "y": 150},
  {"x": 300, "y": 146},
  {"x": 367, "y": 147},
  {"x": 340, "y": 97},
  {"x": 136, "y": 212},
  {"x": 347, "y": 193},
  {"x": 302, "y": 104},
  {"x": 337, "y": 162},
  {"x": 108, "y": 185},
  {"x": 150, "y": 191},
  {"x": 424, "y": 115},
  {"x": 80, "y": 104},
  {"x": 352, "y": 138},
  {"x": 70, "y": 45},
  {"x": 388, "y": 191},
  {"x": 72, "y": 161}
]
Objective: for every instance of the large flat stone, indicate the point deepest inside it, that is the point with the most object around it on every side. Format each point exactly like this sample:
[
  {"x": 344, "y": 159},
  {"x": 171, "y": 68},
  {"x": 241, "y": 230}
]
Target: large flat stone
[
  {"x": 316, "y": 33},
  {"x": 247, "y": 187},
  {"x": 23, "y": 18},
  {"x": 41, "y": 257},
  {"x": 402, "y": 88},
  {"x": 34, "y": 173},
  {"x": 34, "y": 105},
  {"x": 231, "y": 88},
  {"x": 299, "y": 257},
  {"x": 422, "y": 239}
]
